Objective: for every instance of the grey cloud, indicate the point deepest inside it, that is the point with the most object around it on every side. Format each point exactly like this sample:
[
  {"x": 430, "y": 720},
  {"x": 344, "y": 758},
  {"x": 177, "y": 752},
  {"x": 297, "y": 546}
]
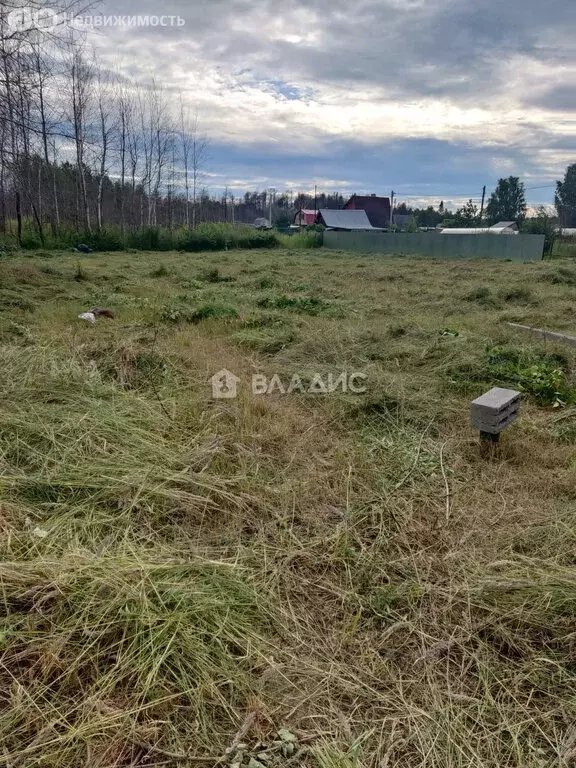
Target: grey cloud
[
  {"x": 561, "y": 98},
  {"x": 441, "y": 47}
]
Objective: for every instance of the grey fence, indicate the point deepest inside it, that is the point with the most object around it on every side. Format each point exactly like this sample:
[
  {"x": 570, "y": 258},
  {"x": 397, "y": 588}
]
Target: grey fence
[{"x": 438, "y": 246}]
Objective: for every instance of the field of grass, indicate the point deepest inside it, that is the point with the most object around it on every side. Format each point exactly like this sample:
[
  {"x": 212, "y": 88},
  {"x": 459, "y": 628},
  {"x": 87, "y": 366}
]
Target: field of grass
[{"x": 325, "y": 581}]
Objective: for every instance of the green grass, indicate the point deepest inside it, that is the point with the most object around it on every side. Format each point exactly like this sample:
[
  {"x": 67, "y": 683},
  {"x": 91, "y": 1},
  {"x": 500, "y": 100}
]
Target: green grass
[
  {"x": 325, "y": 581},
  {"x": 207, "y": 236}
]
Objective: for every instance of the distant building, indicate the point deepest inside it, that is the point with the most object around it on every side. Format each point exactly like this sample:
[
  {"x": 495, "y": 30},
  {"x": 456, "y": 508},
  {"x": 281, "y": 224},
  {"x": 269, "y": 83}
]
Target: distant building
[
  {"x": 305, "y": 217},
  {"x": 502, "y": 228},
  {"x": 505, "y": 228},
  {"x": 377, "y": 208},
  {"x": 343, "y": 220},
  {"x": 262, "y": 223}
]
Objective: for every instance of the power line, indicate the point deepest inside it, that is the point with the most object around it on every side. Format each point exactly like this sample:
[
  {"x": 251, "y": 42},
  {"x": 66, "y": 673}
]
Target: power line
[{"x": 473, "y": 196}]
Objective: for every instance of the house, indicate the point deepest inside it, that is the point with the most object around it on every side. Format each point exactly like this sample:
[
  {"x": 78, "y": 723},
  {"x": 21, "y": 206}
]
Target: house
[
  {"x": 377, "y": 208},
  {"x": 305, "y": 217},
  {"x": 343, "y": 220}
]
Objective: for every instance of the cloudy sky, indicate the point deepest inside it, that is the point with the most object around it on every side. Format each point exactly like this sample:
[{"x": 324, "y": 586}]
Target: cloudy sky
[{"x": 431, "y": 98}]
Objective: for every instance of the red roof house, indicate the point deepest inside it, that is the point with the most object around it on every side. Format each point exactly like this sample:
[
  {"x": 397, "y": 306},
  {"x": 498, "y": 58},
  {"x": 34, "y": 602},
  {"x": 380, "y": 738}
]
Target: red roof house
[
  {"x": 377, "y": 208},
  {"x": 305, "y": 217}
]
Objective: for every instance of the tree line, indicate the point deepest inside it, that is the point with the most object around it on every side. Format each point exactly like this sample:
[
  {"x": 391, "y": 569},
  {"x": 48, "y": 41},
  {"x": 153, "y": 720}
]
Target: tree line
[
  {"x": 84, "y": 148},
  {"x": 506, "y": 203}
]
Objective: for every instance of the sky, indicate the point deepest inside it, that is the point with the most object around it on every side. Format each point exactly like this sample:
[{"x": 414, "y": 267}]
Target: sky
[{"x": 430, "y": 98}]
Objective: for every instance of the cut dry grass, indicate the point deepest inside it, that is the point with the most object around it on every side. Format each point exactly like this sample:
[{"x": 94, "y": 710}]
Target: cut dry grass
[{"x": 321, "y": 581}]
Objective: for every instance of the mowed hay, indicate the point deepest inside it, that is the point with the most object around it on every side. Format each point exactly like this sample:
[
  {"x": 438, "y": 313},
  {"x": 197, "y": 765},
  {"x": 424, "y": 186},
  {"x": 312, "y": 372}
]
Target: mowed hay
[{"x": 181, "y": 575}]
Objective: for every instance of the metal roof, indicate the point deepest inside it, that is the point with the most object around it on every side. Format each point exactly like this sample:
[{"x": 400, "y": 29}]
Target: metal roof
[
  {"x": 505, "y": 225},
  {"x": 478, "y": 231},
  {"x": 337, "y": 219}
]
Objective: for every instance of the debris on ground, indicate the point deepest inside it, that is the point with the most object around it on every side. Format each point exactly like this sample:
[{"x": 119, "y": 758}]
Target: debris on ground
[
  {"x": 103, "y": 312},
  {"x": 285, "y": 750},
  {"x": 82, "y": 248},
  {"x": 92, "y": 314}
]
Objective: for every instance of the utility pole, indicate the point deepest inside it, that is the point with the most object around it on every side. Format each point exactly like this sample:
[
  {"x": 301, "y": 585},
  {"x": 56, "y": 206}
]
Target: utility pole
[
  {"x": 315, "y": 199},
  {"x": 271, "y": 192},
  {"x": 482, "y": 204},
  {"x": 391, "y": 209}
]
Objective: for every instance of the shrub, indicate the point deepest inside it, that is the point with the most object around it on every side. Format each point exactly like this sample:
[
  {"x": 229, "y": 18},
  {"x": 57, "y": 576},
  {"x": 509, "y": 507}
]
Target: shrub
[
  {"x": 541, "y": 224},
  {"x": 103, "y": 240}
]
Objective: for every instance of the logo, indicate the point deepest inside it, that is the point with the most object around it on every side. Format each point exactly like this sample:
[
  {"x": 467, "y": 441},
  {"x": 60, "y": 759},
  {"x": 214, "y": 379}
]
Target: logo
[
  {"x": 224, "y": 384},
  {"x": 27, "y": 19}
]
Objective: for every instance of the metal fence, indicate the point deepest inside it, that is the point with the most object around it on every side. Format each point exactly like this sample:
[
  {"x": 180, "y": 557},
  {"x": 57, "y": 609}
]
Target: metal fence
[{"x": 438, "y": 246}]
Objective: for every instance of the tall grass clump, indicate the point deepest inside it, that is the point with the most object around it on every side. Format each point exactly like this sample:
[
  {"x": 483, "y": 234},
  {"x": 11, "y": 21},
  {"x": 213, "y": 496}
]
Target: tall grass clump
[
  {"x": 301, "y": 240},
  {"x": 215, "y": 236},
  {"x": 219, "y": 236}
]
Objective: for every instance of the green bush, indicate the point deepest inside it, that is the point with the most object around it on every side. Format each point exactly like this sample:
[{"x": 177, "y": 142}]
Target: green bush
[
  {"x": 538, "y": 374},
  {"x": 541, "y": 375},
  {"x": 541, "y": 224},
  {"x": 103, "y": 240}
]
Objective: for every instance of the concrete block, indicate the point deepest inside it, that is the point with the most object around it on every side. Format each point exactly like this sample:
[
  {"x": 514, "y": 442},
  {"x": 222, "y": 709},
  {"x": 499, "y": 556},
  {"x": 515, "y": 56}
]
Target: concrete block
[{"x": 495, "y": 410}]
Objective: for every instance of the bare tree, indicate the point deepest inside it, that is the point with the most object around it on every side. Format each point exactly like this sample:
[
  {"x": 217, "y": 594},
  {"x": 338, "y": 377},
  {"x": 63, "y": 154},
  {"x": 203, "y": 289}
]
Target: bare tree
[
  {"x": 199, "y": 157},
  {"x": 186, "y": 149},
  {"x": 126, "y": 145},
  {"x": 49, "y": 99},
  {"x": 107, "y": 129},
  {"x": 81, "y": 78}
]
